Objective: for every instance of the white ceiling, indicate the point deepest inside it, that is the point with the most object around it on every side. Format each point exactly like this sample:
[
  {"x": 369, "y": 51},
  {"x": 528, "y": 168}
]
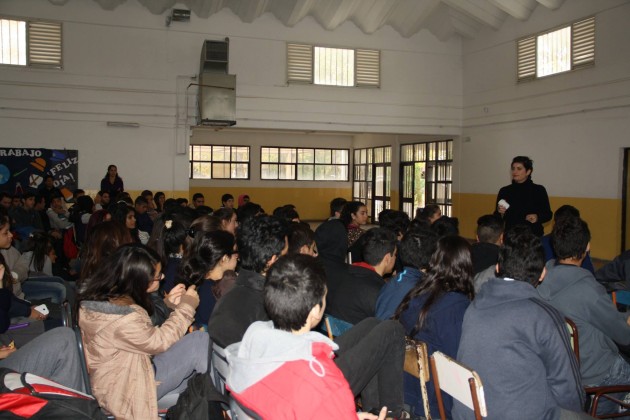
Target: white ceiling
[{"x": 443, "y": 18}]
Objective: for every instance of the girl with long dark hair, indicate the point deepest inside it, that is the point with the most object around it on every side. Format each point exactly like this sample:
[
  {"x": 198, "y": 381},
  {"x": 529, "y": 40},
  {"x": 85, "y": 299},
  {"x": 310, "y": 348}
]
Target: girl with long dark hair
[
  {"x": 131, "y": 363},
  {"x": 433, "y": 311}
]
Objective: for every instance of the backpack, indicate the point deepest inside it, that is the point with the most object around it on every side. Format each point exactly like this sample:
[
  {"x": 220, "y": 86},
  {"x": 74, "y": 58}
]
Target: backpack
[
  {"x": 199, "y": 401},
  {"x": 28, "y": 396}
]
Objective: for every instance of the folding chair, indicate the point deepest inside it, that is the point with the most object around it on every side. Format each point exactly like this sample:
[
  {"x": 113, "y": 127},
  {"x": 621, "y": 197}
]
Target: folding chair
[
  {"x": 451, "y": 376},
  {"x": 335, "y": 326},
  {"x": 219, "y": 368},
  {"x": 597, "y": 393},
  {"x": 240, "y": 412},
  {"x": 417, "y": 365}
]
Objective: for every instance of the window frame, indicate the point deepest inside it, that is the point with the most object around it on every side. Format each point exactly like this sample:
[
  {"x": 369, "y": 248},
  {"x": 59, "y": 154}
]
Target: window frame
[
  {"x": 581, "y": 54},
  {"x": 367, "y": 181},
  {"x": 192, "y": 161},
  {"x": 38, "y": 43},
  {"x": 297, "y": 163},
  {"x": 300, "y": 65}
]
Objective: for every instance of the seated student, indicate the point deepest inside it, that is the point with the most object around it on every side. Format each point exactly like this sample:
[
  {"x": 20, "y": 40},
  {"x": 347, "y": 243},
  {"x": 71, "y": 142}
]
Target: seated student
[
  {"x": 616, "y": 273},
  {"x": 485, "y": 252},
  {"x": 26, "y": 218},
  {"x": 575, "y": 292},
  {"x": 415, "y": 253},
  {"x": 332, "y": 248},
  {"x": 301, "y": 240},
  {"x": 354, "y": 299},
  {"x": 247, "y": 211},
  {"x": 336, "y": 207},
  {"x": 58, "y": 216},
  {"x": 40, "y": 257},
  {"x": 131, "y": 363},
  {"x": 433, "y": 311},
  {"x": 227, "y": 201},
  {"x": 519, "y": 344},
  {"x": 198, "y": 200},
  {"x": 260, "y": 241},
  {"x": 562, "y": 212},
  {"x": 143, "y": 219},
  {"x": 394, "y": 220},
  {"x": 282, "y": 369}
]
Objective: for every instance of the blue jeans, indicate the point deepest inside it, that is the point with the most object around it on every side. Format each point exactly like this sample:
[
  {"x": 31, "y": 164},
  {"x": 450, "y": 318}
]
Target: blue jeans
[
  {"x": 39, "y": 288},
  {"x": 619, "y": 374}
]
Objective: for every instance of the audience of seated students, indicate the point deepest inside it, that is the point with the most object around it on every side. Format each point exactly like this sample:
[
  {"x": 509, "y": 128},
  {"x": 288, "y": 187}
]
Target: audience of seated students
[
  {"x": 354, "y": 215},
  {"x": 198, "y": 200},
  {"x": 171, "y": 242},
  {"x": 398, "y": 222},
  {"x": 355, "y": 297},
  {"x": 616, "y": 273},
  {"x": 25, "y": 217},
  {"x": 562, "y": 212},
  {"x": 58, "y": 215},
  {"x": 248, "y": 211},
  {"x": 182, "y": 201},
  {"x": 288, "y": 213},
  {"x": 148, "y": 195},
  {"x": 434, "y": 309},
  {"x": 485, "y": 252},
  {"x": 227, "y": 216},
  {"x": 261, "y": 241},
  {"x": 209, "y": 257},
  {"x": 575, "y": 292},
  {"x": 282, "y": 369},
  {"x": 517, "y": 343},
  {"x": 12, "y": 257},
  {"x": 102, "y": 200},
  {"x": 143, "y": 220},
  {"x": 429, "y": 214},
  {"x": 446, "y": 226},
  {"x": 6, "y": 200},
  {"x": 301, "y": 240},
  {"x": 132, "y": 363},
  {"x": 242, "y": 200},
  {"x": 227, "y": 201},
  {"x": 158, "y": 199},
  {"x": 80, "y": 215},
  {"x": 415, "y": 252}
]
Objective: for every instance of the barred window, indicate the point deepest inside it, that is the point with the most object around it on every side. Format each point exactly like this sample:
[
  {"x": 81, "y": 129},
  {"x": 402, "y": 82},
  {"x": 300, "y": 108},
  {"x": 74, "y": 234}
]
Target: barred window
[
  {"x": 557, "y": 51},
  {"x": 219, "y": 162},
  {"x": 333, "y": 66},
  {"x": 33, "y": 43},
  {"x": 302, "y": 164}
]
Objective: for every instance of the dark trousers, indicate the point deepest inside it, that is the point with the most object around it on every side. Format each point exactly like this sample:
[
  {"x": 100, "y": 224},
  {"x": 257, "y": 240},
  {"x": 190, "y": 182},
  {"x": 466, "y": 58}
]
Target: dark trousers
[{"x": 371, "y": 356}]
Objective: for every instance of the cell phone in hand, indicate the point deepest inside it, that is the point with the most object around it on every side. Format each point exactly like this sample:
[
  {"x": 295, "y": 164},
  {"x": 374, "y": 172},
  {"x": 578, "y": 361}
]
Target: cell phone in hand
[
  {"x": 504, "y": 203},
  {"x": 42, "y": 309}
]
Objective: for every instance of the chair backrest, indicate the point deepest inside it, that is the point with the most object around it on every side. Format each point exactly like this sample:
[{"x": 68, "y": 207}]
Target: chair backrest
[
  {"x": 417, "y": 364},
  {"x": 240, "y": 412},
  {"x": 220, "y": 368},
  {"x": 335, "y": 326},
  {"x": 460, "y": 382},
  {"x": 575, "y": 338},
  {"x": 83, "y": 360}
]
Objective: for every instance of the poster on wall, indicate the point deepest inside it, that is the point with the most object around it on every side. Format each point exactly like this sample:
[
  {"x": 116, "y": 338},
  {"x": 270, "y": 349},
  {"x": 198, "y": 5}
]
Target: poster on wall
[{"x": 23, "y": 169}]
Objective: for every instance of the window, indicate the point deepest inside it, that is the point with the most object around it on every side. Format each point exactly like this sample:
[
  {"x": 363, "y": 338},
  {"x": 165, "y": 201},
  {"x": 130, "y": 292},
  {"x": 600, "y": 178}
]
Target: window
[
  {"x": 289, "y": 163},
  {"x": 568, "y": 48},
  {"x": 219, "y": 162},
  {"x": 30, "y": 43},
  {"x": 372, "y": 174},
  {"x": 333, "y": 66},
  {"x": 426, "y": 174}
]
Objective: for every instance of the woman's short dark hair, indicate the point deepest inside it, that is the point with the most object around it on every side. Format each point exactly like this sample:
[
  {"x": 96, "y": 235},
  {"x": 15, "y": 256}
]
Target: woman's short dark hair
[
  {"x": 295, "y": 284},
  {"x": 450, "y": 270},
  {"x": 527, "y": 163},
  {"x": 204, "y": 254},
  {"x": 522, "y": 256},
  {"x": 127, "y": 272},
  {"x": 349, "y": 209}
]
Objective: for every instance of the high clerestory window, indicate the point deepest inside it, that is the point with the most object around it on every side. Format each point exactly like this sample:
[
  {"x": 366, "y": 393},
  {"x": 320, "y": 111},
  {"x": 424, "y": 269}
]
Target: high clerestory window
[
  {"x": 304, "y": 164},
  {"x": 333, "y": 66},
  {"x": 33, "y": 43},
  {"x": 560, "y": 50}
]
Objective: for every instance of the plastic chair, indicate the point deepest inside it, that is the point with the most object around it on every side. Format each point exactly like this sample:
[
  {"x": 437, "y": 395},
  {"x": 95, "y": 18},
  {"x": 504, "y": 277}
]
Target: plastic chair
[
  {"x": 335, "y": 326},
  {"x": 417, "y": 365},
  {"x": 597, "y": 392},
  {"x": 451, "y": 376}
]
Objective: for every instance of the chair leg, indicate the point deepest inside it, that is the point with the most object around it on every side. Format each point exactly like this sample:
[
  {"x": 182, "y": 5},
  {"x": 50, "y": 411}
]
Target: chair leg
[
  {"x": 475, "y": 399},
  {"x": 438, "y": 391}
]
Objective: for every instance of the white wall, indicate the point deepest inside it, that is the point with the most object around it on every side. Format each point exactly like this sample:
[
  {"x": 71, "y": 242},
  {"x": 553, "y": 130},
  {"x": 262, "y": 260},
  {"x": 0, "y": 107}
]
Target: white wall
[
  {"x": 572, "y": 125},
  {"x": 126, "y": 65}
]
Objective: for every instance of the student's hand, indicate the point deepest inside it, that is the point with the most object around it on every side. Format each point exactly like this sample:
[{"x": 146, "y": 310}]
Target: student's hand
[
  {"x": 192, "y": 292},
  {"x": 501, "y": 210},
  {"x": 5, "y": 351},
  {"x": 531, "y": 218},
  {"x": 369, "y": 416},
  {"x": 36, "y": 315},
  {"x": 172, "y": 299}
]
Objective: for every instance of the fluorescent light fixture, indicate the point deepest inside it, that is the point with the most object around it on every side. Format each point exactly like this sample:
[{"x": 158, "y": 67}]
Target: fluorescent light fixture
[{"x": 122, "y": 124}]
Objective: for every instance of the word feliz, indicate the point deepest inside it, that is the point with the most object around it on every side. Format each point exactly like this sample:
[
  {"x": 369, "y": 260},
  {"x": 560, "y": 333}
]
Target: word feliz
[{"x": 69, "y": 162}]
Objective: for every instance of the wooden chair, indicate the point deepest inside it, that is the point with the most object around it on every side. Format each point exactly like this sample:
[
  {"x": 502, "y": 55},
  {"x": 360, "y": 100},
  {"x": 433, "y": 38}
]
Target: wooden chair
[
  {"x": 596, "y": 393},
  {"x": 460, "y": 382},
  {"x": 335, "y": 326},
  {"x": 417, "y": 365}
]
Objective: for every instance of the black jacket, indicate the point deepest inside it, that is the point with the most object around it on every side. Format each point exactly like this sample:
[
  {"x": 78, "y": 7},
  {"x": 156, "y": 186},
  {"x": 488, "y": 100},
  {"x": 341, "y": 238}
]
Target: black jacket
[{"x": 526, "y": 198}]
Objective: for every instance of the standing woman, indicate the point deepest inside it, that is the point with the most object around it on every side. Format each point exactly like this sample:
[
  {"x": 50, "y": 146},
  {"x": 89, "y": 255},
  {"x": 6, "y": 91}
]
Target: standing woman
[
  {"x": 132, "y": 363},
  {"x": 354, "y": 215},
  {"x": 433, "y": 311},
  {"x": 112, "y": 182},
  {"x": 524, "y": 203}
]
